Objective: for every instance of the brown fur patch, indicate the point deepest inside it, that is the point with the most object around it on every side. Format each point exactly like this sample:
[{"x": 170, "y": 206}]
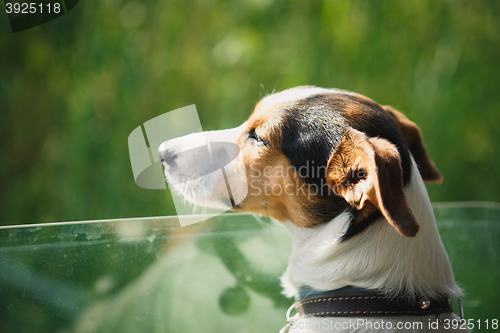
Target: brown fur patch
[
  {"x": 275, "y": 188},
  {"x": 415, "y": 142},
  {"x": 367, "y": 173}
]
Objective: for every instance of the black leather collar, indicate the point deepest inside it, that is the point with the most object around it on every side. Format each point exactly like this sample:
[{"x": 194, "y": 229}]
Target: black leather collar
[{"x": 359, "y": 302}]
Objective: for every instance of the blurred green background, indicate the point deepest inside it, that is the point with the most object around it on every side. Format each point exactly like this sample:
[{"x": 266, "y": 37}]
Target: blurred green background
[{"x": 72, "y": 90}]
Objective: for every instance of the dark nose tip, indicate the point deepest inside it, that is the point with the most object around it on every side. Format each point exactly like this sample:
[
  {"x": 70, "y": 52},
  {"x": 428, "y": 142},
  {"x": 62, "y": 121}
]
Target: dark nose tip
[{"x": 166, "y": 153}]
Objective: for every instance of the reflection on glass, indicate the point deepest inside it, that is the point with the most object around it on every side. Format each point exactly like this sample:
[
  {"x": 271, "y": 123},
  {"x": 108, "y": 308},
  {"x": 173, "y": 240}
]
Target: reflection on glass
[{"x": 221, "y": 275}]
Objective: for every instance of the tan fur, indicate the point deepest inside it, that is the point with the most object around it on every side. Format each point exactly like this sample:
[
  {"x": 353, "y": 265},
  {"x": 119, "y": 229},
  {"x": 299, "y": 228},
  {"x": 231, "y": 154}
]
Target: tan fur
[
  {"x": 368, "y": 170},
  {"x": 415, "y": 142},
  {"x": 269, "y": 169}
]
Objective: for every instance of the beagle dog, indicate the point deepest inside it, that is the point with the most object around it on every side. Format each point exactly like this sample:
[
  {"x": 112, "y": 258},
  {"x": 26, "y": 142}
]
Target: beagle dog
[{"x": 346, "y": 176}]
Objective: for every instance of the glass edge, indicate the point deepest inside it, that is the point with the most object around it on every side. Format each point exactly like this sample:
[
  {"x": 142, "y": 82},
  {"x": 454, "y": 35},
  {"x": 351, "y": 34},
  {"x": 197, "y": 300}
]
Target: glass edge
[
  {"x": 467, "y": 204},
  {"x": 171, "y": 218},
  {"x": 438, "y": 205}
]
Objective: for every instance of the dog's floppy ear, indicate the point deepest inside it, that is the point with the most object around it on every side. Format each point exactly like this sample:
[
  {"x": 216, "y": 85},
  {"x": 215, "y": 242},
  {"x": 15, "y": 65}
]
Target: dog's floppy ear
[
  {"x": 415, "y": 142},
  {"x": 367, "y": 173}
]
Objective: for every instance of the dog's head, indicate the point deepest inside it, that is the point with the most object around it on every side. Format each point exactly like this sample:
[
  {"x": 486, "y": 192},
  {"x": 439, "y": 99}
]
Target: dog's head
[{"x": 307, "y": 155}]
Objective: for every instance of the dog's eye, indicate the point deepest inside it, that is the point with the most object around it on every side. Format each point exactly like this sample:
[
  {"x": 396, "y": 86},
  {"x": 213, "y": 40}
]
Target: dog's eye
[{"x": 251, "y": 135}]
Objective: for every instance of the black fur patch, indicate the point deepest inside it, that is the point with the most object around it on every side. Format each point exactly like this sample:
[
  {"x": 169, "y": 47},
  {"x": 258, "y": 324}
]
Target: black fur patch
[{"x": 311, "y": 130}]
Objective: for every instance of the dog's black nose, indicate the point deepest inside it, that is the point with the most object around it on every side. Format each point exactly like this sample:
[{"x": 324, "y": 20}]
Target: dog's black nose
[{"x": 166, "y": 154}]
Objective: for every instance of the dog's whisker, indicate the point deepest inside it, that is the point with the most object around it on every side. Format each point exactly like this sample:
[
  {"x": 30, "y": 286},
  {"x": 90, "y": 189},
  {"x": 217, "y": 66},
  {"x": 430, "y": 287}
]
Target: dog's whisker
[
  {"x": 269, "y": 224},
  {"x": 205, "y": 208},
  {"x": 190, "y": 192},
  {"x": 261, "y": 222}
]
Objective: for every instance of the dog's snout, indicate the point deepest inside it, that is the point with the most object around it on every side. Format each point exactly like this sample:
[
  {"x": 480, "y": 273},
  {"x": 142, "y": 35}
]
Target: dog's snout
[{"x": 166, "y": 153}]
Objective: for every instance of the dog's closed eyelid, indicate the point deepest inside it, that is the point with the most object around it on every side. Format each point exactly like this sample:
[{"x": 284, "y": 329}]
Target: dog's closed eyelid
[{"x": 251, "y": 134}]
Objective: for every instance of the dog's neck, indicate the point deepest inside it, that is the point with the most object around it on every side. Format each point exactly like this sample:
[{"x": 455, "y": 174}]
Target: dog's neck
[{"x": 378, "y": 258}]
